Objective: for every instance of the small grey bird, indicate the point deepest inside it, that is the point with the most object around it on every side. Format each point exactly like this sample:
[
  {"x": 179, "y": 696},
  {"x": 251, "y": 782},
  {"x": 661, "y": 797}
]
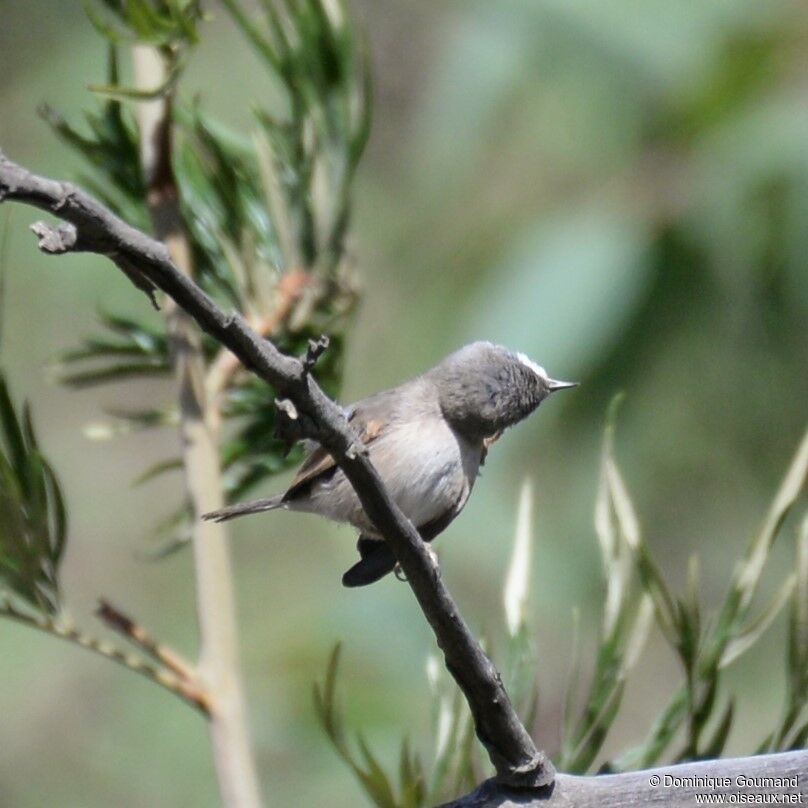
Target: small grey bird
[{"x": 427, "y": 438}]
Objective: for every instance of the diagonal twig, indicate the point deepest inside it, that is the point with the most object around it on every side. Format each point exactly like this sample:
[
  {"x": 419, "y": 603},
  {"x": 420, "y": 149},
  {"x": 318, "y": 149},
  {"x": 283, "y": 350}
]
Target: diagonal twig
[
  {"x": 124, "y": 625},
  {"x": 188, "y": 690}
]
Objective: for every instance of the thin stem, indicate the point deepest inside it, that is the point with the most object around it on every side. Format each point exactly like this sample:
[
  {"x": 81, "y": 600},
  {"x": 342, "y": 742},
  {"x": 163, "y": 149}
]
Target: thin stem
[
  {"x": 218, "y": 661},
  {"x": 63, "y": 630},
  {"x": 136, "y": 634}
]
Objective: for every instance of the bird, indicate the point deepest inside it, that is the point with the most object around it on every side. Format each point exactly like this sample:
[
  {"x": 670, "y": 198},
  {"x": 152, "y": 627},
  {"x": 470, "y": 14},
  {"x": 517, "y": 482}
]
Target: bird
[{"x": 427, "y": 438}]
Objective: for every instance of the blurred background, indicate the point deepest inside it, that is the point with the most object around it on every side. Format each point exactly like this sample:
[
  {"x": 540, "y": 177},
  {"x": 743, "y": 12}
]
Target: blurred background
[{"x": 618, "y": 189}]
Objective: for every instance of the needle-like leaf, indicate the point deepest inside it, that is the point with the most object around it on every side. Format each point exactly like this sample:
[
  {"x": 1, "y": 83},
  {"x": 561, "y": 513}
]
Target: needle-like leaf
[{"x": 33, "y": 520}]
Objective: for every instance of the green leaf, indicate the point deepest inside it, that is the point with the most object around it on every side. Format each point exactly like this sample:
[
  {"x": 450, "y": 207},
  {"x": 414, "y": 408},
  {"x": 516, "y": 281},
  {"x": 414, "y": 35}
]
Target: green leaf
[
  {"x": 253, "y": 34},
  {"x": 17, "y": 452},
  {"x": 115, "y": 373},
  {"x": 626, "y": 615},
  {"x": 596, "y": 727},
  {"x": 171, "y": 24},
  {"x": 411, "y": 778},
  {"x": 158, "y": 469},
  {"x": 571, "y": 689},
  {"x": 132, "y": 349},
  {"x": 322, "y": 65},
  {"x": 371, "y": 775},
  {"x": 110, "y": 32},
  {"x": 517, "y": 583},
  {"x": 120, "y": 93},
  {"x": 715, "y": 747},
  {"x": 661, "y": 736},
  {"x": 798, "y": 619},
  {"x": 747, "y": 636},
  {"x": 688, "y": 639},
  {"x": 800, "y": 738},
  {"x": 450, "y": 714},
  {"x": 748, "y": 572},
  {"x": 375, "y": 779},
  {"x": 796, "y": 703},
  {"x": 33, "y": 520}
]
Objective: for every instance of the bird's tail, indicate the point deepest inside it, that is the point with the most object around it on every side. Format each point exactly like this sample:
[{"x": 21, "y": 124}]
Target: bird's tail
[
  {"x": 243, "y": 508},
  {"x": 377, "y": 561}
]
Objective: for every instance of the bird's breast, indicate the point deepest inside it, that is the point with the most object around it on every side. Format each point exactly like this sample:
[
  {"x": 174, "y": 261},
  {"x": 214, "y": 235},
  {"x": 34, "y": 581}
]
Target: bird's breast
[{"x": 429, "y": 470}]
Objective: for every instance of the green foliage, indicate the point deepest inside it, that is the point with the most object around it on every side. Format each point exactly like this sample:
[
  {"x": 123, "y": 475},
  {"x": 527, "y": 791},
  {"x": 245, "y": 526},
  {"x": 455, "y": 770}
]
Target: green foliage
[
  {"x": 109, "y": 146},
  {"x": 33, "y": 523},
  {"x": 170, "y": 24},
  {"x": 234, "y": 242},
  {"x": 792, "y": 730},
  {"x": 635, "y": 597},
  {"x": 625, "y": 623},
  {"x": 456, "y": 760},
  {"x": 312, "y": 48},
  {"x": 252, "y": 453},
  {"x": 129, "y": 348},
  {"x": 705, "y": 646},
  {"x": 455, "y": 764},
  {"x": 375, "y": 781},
  {"x": 640, "y": 170},
  {"x": 265, "y": 217}
]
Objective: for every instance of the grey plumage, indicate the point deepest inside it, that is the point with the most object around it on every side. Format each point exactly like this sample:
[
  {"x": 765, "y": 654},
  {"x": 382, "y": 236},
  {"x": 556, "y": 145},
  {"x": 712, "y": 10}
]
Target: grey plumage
[{"x": 427, "y": 438}]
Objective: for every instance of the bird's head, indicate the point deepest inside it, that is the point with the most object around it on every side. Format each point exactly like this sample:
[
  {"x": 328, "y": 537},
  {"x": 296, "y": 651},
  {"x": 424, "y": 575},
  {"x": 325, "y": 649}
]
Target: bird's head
[{"x": 484, "y": 388}]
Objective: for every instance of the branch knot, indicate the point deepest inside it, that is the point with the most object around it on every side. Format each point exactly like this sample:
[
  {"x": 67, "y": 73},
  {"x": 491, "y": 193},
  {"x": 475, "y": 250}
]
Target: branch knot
[
  {"x": 317, "y": 347},
  {"x": 68, "y": 191},
  {"x": 55, "y": 240}
]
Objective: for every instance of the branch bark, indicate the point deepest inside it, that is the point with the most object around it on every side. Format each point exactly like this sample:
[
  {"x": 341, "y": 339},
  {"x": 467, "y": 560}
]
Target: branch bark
[
  {"x": 225, "y": 366},
  {"x": 737, "y": 780},
  {"x": 133, "y": 631},
  {"x": 93, "y": 228}
]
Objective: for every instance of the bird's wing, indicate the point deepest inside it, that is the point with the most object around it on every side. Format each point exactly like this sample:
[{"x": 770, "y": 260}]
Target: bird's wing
[{"x": 367, "y": 417}]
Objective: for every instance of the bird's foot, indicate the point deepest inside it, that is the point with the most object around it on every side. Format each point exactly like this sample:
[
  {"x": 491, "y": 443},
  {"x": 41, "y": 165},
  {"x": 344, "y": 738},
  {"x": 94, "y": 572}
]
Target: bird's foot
[{"x": 433, "y": 557}]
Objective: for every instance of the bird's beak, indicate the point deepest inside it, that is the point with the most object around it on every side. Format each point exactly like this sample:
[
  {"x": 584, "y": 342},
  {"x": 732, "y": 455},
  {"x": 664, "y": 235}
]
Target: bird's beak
[{"x": 555, "y": 384}]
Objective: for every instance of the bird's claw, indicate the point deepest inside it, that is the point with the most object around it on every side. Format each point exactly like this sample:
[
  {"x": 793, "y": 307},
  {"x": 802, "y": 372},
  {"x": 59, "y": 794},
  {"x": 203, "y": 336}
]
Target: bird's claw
[{"x": 433, "y": 557}]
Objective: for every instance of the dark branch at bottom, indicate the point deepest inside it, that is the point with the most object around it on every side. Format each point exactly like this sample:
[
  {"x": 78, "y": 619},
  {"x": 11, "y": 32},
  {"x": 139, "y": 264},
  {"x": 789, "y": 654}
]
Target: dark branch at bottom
[{"x": 766, "y": 779}]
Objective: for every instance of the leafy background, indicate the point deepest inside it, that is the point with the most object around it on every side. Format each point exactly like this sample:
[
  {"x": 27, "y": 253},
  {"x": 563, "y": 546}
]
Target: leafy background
[{"x": 618, "y": 189}]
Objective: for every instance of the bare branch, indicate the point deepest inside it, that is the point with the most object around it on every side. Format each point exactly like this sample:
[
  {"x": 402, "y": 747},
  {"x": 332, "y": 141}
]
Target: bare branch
[
  {"x": 674, "y": 786},
  {"x": 137, "y": 635},
  {"x": 64, "y": 630},
  {"x": 510, "y": 747}
]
